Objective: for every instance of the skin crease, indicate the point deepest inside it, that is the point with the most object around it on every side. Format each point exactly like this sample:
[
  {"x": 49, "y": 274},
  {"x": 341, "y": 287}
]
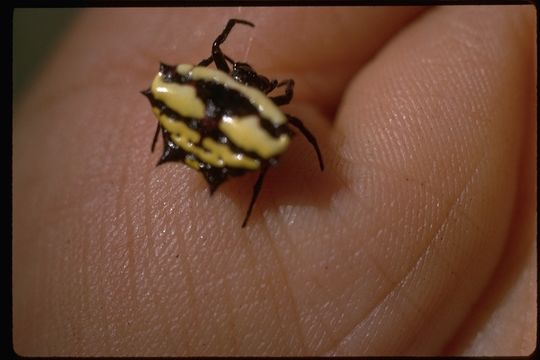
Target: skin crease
[{"x": 418, "y": 239}]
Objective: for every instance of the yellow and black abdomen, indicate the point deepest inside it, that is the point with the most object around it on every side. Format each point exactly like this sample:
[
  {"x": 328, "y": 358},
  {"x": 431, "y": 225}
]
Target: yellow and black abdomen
[{"x": 215, "y": 124}]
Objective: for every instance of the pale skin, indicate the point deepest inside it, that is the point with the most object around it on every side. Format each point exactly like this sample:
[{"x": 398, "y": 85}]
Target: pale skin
[{"x": 417, "y": 239}]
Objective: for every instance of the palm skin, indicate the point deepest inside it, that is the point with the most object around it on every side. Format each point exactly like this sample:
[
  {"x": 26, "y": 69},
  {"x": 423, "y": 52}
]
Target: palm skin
[{"x": 418, "y": 238}]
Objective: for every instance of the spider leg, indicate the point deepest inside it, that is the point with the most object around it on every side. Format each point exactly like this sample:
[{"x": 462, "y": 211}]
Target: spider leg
[
  {"x": 256, "y": 190},
  {"x": 155, "y": 137},
  {"x": 206, "y": 62},
  {"x": 217, "y": 55},
  {"x": 287, "y": 97},
  {"x": 308, "y": 135},
  {"x": 209, "y": 60}
]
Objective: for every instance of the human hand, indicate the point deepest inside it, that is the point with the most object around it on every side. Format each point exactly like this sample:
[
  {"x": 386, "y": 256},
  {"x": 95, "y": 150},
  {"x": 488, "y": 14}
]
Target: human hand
[{"x": 417, "y": 239}]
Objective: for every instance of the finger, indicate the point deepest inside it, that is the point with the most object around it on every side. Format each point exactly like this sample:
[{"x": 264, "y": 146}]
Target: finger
[
  {"x": 433, "y": 131},
  {"x": 503, "y": 320}
]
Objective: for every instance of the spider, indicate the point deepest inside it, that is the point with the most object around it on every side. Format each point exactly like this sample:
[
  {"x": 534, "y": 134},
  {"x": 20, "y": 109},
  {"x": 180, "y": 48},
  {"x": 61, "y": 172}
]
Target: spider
[{"x": 222, "y": 122}]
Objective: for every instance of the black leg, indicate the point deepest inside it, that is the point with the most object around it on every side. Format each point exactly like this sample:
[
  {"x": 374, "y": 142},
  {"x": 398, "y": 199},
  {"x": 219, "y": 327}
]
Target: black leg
[
  {"x": 206, "y": 62},
  {"x": 309, "y": 136},
  {"x": 285, "y": 98},
  {"x": 245, "y": 74},
  {"x": 256, "y": 190},
  {"x": 209, "y": 60},
  {"x": 155, "y": 137},
  {"x": 217, "y": 55}
]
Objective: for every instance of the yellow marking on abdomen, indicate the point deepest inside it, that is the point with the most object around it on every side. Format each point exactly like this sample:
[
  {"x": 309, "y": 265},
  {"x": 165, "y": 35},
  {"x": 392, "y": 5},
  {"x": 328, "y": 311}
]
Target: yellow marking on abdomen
[
  {"x": 222, "y": 154},
  {"x": 181, "y": 98},
  {"x": 211, "y": 152},
  {"x": 192, "y": 163},
  {"x": 179, "y": 130},
  {"x": 257, "y": 98},
  {"x": 247, "y": 133}
]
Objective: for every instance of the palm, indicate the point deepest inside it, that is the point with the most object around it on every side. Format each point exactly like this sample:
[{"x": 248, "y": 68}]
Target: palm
[{"x": 401, "y": 246}]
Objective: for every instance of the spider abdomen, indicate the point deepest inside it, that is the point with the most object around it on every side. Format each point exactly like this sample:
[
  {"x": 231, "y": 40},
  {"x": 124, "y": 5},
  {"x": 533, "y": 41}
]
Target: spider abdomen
[{"x": 222, "y": 123}]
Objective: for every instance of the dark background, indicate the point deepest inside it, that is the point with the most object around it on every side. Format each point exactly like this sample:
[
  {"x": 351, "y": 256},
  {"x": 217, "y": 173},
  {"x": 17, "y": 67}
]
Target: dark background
[{"x": 36, "y": 33}]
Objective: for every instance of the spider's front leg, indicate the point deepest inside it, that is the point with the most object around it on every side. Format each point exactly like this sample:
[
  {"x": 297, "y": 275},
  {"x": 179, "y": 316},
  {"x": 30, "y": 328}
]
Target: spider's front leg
[
  {"x": 287, "y": 97},
  {"x": 217, "y": 56},
  {"x": 297, "y": 123}
]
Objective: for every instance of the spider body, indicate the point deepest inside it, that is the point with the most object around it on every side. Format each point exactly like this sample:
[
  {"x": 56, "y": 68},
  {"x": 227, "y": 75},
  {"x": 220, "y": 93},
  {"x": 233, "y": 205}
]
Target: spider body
[{"x": 221, "y": 122}]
